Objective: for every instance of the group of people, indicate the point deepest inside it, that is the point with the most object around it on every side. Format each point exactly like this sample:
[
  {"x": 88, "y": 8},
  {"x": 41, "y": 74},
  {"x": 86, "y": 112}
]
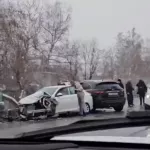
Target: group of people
[{"x": 141, "y": 91}]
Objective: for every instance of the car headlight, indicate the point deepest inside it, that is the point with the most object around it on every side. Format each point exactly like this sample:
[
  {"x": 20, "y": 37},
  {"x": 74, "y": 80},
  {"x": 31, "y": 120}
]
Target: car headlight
[{"x": 147, "y": 96}]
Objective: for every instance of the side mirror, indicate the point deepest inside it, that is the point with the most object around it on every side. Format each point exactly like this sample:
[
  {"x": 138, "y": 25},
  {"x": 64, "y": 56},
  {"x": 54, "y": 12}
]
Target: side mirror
[{"x": 59, "y": 94}]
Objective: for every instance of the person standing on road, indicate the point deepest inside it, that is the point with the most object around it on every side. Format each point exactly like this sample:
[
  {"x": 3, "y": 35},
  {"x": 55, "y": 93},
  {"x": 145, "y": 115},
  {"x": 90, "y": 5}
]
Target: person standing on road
[
  {"x": 120, "y": 83},
  {"x": 142, "y": 89},
  {"x": 129, "y": 92},
  {"x": 80, "y": 95}
]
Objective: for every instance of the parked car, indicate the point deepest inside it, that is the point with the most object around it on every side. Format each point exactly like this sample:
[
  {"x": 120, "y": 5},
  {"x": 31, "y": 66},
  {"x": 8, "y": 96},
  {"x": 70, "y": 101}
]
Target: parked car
[
  {"x": 147, "y": 98},
  {"x": 106, "y": 94},
  {"x": 65, "y": 96}
]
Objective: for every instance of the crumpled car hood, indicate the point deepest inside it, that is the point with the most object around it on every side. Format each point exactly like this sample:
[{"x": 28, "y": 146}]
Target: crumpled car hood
[{"x": 33, "y": 98}]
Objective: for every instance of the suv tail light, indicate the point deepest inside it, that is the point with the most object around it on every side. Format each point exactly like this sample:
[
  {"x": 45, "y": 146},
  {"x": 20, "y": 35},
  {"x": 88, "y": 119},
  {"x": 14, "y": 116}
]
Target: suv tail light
[
  {"x": 122, "y": 93},
  {"x": 96, "y": 92}
]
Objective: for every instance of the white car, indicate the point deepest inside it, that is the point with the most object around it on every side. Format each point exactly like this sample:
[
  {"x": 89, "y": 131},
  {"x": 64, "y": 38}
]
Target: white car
[
  {"x": 147, "y": 98},
  {"x": 65, "y": 96}
]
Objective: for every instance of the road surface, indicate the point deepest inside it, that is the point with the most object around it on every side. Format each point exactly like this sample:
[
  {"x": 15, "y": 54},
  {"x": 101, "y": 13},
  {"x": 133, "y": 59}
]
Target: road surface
[
  {"x": 100, "y": 114},
  {"x": 10, "y": 130}
]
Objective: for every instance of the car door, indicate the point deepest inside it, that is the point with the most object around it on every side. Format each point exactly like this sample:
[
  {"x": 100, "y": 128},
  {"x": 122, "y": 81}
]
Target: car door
[
  {"x": 73, "y": 99},
  {"x": 64, "y": 103}
]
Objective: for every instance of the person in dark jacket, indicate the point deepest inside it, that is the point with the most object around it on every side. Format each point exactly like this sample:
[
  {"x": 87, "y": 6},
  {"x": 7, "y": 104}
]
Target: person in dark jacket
[
  {"x": 120, "y": 83},
  {"x": 129, "y": 92},
  {"x": 142, "y": 89}
]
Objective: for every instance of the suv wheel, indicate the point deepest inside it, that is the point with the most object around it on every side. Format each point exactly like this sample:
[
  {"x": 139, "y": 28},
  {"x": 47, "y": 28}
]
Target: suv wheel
[{"x": 118, "y": 108}]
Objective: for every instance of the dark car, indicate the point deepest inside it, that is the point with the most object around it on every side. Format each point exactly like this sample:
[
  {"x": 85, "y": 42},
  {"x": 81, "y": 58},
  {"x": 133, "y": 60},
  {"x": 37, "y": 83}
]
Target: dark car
[{"x": 106, "y": 94}]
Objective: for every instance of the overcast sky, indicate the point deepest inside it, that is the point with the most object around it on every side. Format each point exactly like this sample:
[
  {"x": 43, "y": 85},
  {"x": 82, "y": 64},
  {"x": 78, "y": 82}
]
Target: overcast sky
[{"x": 103, "y": 19}]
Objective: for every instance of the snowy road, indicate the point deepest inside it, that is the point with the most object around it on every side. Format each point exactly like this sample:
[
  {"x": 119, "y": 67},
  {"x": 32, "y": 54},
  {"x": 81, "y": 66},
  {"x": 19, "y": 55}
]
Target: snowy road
[{"x": 100, "y": 114}]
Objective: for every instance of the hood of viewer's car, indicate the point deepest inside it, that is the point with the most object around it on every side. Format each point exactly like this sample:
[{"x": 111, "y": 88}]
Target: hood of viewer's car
[
  {"x": 125, "y": 135},
  {"x": 119, "y": 139}
]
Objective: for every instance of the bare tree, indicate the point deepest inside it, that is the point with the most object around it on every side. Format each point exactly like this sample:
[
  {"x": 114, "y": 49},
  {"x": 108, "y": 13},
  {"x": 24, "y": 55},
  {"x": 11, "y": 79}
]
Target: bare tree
[
  {"x": 128, "y": 53},
  {"x": 55, "y": 29},
  {"x": 109, "y": 64},
  {"x": 90, "y": 56},
  {"x": 20, "y": 28},
  {"x": 71, "y": 59}
]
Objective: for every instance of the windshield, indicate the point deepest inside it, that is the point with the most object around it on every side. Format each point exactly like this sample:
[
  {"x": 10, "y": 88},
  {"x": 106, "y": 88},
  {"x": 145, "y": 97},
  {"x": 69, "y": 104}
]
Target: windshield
[
  {"x": 49, "y": 90},
  {"x": 108, "y": 86},
  {"x": 91, "y": 56}
]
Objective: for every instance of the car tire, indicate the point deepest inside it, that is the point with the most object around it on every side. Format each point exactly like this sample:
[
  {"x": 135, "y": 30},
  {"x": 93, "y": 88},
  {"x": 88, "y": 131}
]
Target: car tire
[
  {"x": 87, "y": 108},
  {"x": 118, "y": 108}
]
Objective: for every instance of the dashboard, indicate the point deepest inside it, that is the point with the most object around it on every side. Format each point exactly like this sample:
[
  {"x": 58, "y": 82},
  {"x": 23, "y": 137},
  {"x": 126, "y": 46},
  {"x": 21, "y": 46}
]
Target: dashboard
[{"x": 72, "y": 146}]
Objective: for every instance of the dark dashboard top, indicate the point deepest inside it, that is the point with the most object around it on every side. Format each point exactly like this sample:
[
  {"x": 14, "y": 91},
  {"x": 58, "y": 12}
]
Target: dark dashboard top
[{"x": 71, "y": 146}]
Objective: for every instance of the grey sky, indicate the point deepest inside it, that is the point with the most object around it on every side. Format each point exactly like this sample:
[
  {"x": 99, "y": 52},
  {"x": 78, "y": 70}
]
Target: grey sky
[{"x": 103, "y": 19}]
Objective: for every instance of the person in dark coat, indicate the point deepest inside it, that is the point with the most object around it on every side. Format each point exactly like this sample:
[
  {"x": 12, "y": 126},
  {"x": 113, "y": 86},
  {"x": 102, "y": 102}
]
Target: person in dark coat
[
  {"x": 120, "y": 83},
  {"x": 129, "y": 92},
  {"x": 142, "y": 89}
]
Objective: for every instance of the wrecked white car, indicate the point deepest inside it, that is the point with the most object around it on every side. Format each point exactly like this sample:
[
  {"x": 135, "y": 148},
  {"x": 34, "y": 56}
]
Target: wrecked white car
[
  {"x": 52, "y": 100},
  {"x": 40, "y": 104}
]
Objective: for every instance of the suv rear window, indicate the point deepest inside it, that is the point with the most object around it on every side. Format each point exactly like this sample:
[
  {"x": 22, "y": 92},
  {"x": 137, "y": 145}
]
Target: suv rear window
[{"x": 108, "y": 86}]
